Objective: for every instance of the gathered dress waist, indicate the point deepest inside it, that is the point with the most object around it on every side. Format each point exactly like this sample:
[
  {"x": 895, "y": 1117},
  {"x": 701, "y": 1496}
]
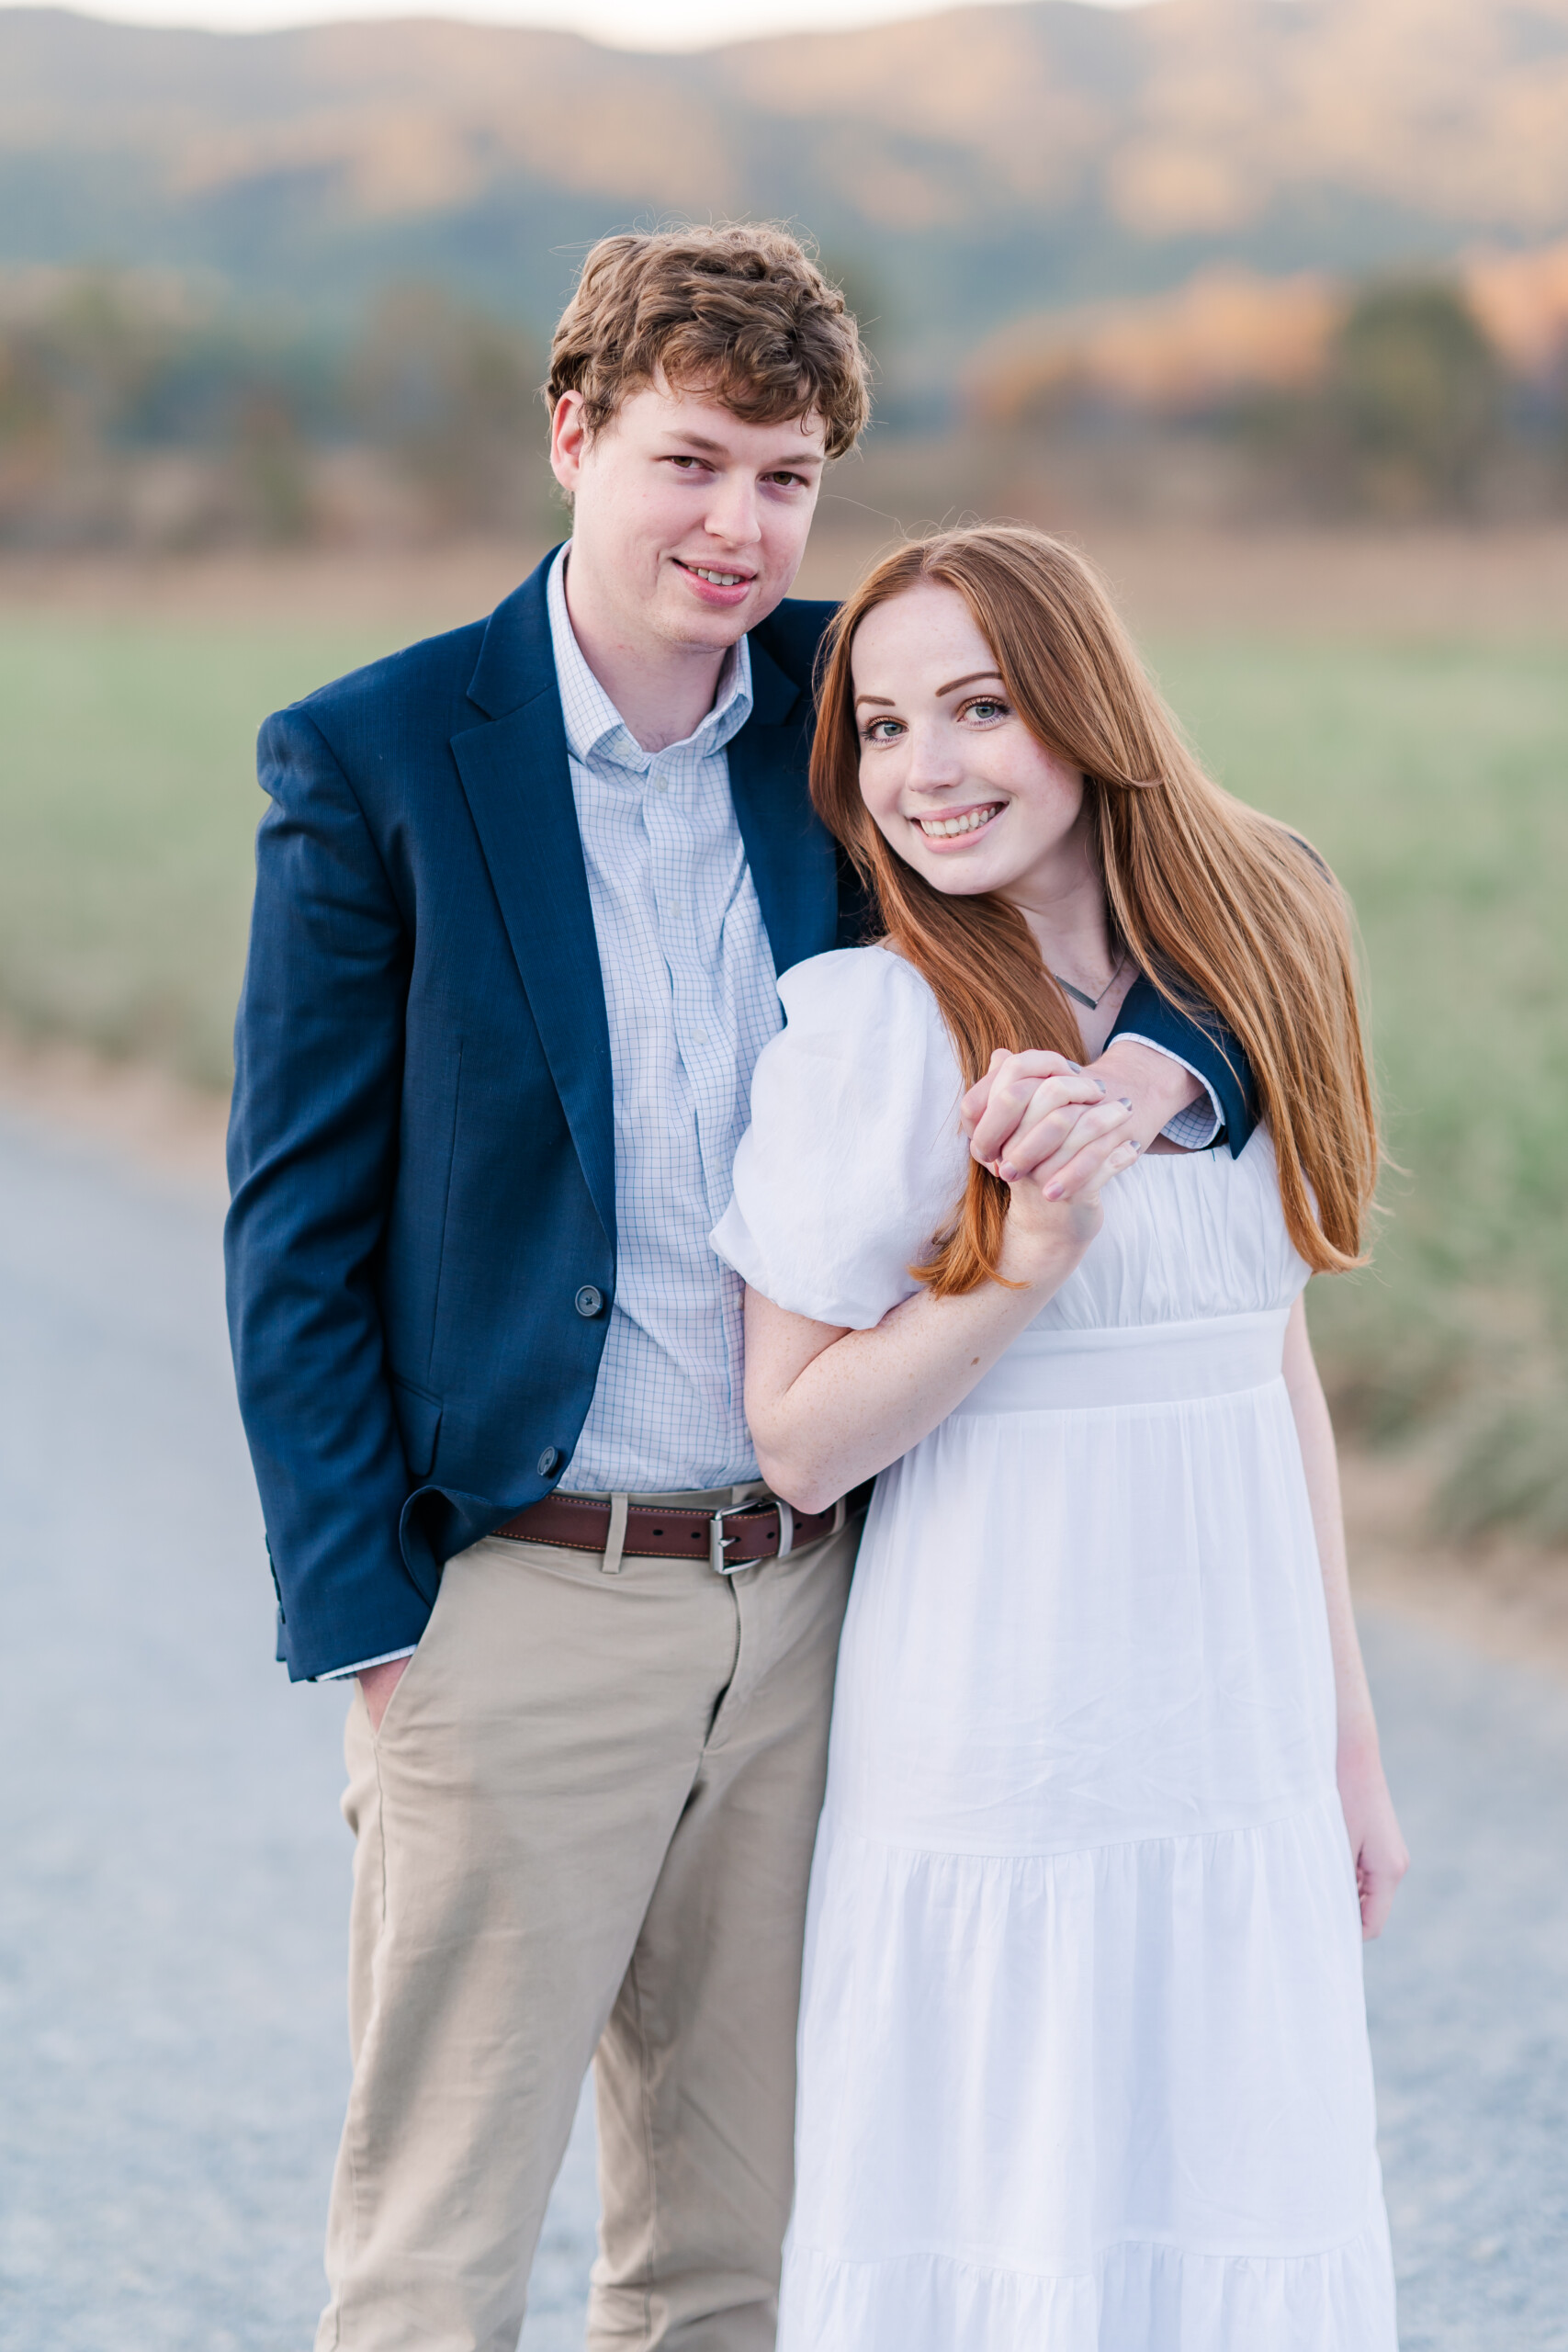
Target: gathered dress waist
[{"x": 1049, "y": 1369}]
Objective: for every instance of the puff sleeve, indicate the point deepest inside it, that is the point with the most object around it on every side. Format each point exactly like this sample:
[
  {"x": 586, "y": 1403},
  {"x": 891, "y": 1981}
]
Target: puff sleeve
[{"x": 854, "y": 1159}]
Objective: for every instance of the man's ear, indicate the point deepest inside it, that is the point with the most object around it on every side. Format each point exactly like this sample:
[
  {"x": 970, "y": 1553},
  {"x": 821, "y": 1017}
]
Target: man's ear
[{"x": 569, "y": 440}]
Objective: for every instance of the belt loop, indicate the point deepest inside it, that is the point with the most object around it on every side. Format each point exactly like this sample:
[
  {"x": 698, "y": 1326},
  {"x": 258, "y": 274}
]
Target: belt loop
[
  {"x": 840, "y": 1513},
  {"x": 786, "y": 1527},
  {"x": 616, "y": 1541}
]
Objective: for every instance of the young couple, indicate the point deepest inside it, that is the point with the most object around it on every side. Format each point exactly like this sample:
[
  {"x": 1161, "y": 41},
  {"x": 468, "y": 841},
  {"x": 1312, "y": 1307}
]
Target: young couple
[{"x": 1015, "y": 1198}]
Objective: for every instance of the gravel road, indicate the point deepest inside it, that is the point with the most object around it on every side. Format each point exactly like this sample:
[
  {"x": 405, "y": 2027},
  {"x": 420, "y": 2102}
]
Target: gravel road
[{"x": 174, "y": 1879}]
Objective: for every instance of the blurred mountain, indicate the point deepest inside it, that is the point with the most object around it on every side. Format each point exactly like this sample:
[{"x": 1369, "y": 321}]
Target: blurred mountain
[{"x": 961, "y": 171}]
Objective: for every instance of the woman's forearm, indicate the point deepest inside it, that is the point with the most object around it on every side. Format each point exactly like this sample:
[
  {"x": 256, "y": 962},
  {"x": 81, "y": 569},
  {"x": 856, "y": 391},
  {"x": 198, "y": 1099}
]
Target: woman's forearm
[
  {"x": 1377, "y": 1847},
  {"x": 1320, "y": 1460},
  {"x": 830, "y": 1408}
]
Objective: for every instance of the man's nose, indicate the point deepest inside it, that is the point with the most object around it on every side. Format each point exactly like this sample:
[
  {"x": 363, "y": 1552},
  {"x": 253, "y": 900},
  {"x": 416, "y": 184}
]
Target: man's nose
[{"x": 732, "y": 513}]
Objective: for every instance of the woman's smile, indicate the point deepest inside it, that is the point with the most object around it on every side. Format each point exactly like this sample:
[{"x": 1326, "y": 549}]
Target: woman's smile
[{"x": 958, "y": 824}]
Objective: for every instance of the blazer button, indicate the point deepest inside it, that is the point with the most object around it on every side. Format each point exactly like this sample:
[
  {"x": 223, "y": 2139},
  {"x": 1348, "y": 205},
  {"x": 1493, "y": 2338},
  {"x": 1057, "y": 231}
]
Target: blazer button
[
  {"x": 588, "y": 1300},
  {"x": 547, "y": 1460}
]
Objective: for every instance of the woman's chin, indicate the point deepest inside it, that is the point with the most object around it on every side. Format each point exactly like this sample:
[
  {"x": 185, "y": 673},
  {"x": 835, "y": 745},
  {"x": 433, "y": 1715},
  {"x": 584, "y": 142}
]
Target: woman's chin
[{"x": 959, "y": 876}]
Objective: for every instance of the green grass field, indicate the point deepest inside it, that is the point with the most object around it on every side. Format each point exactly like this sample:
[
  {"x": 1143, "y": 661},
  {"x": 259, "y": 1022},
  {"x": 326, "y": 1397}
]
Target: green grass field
[
  {"x": 128, "y": 804},
  {"x": 1436, "y": 782},
  {"x": 1435, "y": 779}
]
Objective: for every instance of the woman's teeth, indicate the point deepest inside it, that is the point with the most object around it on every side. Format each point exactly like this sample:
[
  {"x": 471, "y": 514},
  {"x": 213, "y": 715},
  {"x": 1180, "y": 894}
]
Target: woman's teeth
[
  {"x": 719, "y": 578},
  {"x": 943, "y": 828}
]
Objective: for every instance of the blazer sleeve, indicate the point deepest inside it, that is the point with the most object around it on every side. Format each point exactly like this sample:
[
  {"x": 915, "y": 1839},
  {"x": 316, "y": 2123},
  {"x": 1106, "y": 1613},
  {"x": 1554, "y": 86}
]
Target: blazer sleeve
[
  {"x": 1198, "y": 1037},
  {"x": 312, "y": 1143}
]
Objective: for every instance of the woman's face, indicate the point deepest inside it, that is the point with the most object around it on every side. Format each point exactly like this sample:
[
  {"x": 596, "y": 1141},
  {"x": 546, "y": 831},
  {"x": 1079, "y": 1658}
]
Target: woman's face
[{"x": 955, "y": 781}]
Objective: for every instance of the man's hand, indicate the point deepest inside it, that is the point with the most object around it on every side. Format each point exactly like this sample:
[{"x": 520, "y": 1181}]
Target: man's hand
[
  {"x": 1153, "y": 1085},
  {"x": 1036, "y": 1114},
  {"x": 378, "y": 1682}
]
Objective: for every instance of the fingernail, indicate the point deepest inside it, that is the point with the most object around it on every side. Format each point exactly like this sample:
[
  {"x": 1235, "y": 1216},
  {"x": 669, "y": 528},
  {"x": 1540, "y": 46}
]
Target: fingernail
[
  {"x": 1053, "y": 1192},
  {"x": 1009, "y": 1175},
  {"x": 1100, "y": 1083},
  {"x": 1126, "y": 1101},
  {"x": 1076, "y": 1069}
]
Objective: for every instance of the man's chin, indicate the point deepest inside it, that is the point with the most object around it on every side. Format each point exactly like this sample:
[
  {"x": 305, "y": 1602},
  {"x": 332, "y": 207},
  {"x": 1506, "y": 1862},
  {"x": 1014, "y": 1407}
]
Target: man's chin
[{"x": 685, "y": 622}]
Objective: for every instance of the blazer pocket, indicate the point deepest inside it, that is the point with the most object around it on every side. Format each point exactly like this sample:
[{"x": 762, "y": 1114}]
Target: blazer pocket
[{"x": 419, "y": 1420}]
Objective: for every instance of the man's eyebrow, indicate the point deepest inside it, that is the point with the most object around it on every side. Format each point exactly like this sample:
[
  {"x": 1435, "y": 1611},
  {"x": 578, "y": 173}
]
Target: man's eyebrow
[
  {"x": 969, "y": 681},
  {"x": 887, "y": 698},
  {"x": 720, "y": 449}
]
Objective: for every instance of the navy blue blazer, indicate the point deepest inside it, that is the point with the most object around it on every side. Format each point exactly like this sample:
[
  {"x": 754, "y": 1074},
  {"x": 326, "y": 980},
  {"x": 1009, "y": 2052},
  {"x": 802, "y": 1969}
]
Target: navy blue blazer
[{"x": 421, "y": 1146}]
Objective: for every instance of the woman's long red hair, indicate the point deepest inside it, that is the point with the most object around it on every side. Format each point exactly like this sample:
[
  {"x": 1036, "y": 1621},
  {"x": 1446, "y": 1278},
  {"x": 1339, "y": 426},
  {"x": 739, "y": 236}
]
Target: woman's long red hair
[{"x": 1218, "y": 904}]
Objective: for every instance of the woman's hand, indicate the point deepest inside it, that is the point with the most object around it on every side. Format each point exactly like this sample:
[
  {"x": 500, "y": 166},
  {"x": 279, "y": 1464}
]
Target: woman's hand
[
  {"x": 1035, "y": 1116},
  {"x": 1026, "y": 1105},
  {"x": 1047, "y": 1233},
  {"x": 1372, "y": 1827}
]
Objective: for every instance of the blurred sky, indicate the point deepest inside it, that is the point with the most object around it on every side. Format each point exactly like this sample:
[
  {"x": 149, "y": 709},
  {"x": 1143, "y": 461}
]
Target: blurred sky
[{"x": 631, "y": 24}]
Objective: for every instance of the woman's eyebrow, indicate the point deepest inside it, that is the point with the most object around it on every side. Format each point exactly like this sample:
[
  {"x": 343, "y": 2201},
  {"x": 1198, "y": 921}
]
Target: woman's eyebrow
[
  {"x": 969, "y": 681},
  {"x": 887, "y": 698}
]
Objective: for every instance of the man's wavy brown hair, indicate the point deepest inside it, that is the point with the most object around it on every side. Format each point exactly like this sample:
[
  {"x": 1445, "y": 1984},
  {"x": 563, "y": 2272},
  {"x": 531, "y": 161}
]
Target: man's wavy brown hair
[
  {"x": 742, "y": 313},
  {"x": 1217, "y": 903}
]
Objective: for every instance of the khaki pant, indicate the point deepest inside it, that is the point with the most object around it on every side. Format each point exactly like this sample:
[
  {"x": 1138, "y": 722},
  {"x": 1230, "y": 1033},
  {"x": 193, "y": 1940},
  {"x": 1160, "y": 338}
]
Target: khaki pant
[{"x": 585, "y": 1825}]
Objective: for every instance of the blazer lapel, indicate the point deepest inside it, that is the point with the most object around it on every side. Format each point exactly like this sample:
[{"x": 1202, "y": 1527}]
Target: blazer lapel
[
  {"x": 791, "y": 856},
  {"x": 518, "y": 784}
]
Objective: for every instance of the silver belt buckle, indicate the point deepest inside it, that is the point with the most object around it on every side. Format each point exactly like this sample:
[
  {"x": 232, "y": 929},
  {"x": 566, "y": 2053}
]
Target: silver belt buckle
[{"x": 717, "y": 1539}]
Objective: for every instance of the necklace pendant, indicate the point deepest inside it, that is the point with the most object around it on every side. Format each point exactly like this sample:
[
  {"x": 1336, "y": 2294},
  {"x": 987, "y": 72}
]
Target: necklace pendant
[{"x": 1078, "y": 994}]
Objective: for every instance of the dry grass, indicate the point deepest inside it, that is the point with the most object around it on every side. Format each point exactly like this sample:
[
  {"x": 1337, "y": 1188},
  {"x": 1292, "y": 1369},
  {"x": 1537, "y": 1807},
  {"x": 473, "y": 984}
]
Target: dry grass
[{"x": 1365, "y": 586}]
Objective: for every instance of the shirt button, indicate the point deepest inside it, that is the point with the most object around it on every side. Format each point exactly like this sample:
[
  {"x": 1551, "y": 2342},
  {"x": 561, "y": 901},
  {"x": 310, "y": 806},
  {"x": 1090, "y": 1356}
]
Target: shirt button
[
  {"x": 589, "y": 1300},
  {"x": 547, "y": 1460},
  {"x": 660, "y": 785}
]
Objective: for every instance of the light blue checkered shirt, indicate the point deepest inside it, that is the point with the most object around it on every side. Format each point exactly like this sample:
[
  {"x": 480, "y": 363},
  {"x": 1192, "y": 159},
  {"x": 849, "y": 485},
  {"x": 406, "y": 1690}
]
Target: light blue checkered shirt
[{"x": 689, "y": 991}]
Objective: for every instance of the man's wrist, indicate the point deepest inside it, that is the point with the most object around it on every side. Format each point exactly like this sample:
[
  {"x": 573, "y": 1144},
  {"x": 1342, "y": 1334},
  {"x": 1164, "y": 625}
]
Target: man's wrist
[{"x": 1171, "y": 1097}]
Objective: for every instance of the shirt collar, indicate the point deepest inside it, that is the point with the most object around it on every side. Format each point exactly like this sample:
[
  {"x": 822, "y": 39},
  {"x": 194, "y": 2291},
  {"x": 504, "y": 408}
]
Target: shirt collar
[{"x": 594, "y": 727}]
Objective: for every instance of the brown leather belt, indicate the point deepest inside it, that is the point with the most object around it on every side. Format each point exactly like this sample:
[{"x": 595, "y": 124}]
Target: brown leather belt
[{"x": 734, "y": 1538}]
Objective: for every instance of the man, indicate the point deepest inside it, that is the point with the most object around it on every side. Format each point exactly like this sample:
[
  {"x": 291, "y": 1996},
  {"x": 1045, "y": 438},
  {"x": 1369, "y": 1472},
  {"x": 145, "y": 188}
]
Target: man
[{"x": 521, "y": 895}]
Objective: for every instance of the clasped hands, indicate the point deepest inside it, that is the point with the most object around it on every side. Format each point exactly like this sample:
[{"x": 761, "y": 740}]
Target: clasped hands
[{"x": 1039, "y": 1118}]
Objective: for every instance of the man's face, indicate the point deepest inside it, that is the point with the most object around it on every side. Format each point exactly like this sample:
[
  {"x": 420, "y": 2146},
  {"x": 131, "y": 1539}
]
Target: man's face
[{"x": 688, "y": 525}]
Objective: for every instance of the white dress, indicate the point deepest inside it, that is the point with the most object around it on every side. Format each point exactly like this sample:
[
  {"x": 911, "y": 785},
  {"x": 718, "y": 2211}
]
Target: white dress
[{"x": 1083, "y": 2048}]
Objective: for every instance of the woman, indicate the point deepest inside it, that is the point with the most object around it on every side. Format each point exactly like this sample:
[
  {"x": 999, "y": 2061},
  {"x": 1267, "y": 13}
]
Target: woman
[{"x": 1083, "y": 2047}]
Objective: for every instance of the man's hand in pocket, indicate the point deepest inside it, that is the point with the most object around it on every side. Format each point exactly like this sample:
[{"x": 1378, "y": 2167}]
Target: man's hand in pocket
[{"x": 378, "y": 1682}]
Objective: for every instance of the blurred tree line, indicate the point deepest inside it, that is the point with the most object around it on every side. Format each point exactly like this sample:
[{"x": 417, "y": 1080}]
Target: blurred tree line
[
  {"x": 1389, "y": 402},
  {"x": 130, "y": 414},
  {"x": 1414, "y": 416}
]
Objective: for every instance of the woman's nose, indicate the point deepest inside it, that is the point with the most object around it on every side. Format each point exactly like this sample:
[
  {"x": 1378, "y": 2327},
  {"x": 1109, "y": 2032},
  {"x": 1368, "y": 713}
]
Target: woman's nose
[{"x": 933, "y": 764}]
